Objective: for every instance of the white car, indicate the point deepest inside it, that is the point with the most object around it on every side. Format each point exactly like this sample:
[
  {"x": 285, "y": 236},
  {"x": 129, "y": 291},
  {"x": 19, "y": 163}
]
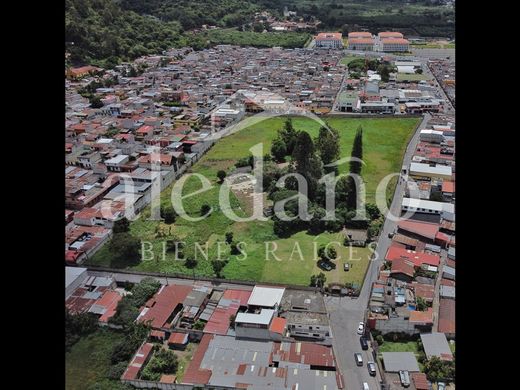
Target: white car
[{"x": 361, "y": 328}]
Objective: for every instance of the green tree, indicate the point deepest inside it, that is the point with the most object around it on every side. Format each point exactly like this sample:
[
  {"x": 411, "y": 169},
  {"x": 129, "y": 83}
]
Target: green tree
[
  {"x": 190, "y": 262},
  {"x": 121, "y": 225},
  {"x": 221, "y": 176},
  {"x": 357, "y": 152},
  {"x": 327, "y": 145},
  {"x": 125, "y": 249},
  {"x": 439, "y": 370},
  {"x": 327, "y": 254},
  {"x": 372, "y": 211},
  {"x": 205, "y": 209},
  {"x": 169, "y": 214},
  {"x": 258, "y": 27},
  {"x": 288, "y": 134},
  {"x": 279, "y": 149},
  {"x": 218, "y": 266},
  {"x": 229, "y": 237},
  {"x": 421, "y": 304},
  {"x": 419, "y": 71},
  {"x": 95, "y": 102},
  {"x": 318, "y": 280},
  {"x": 116, "y": 371}
]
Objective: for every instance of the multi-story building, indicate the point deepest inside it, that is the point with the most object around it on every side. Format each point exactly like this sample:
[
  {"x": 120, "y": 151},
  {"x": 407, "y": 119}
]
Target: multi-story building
[
  {"x": 395, "y": 45},
  {"x": 329, "y": 40},
  {"x": 365, "y": 44}
]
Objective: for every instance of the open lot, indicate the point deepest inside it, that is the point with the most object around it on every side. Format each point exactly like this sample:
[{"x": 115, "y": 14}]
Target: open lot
[
  {"x": 88, "y": 361},
  {"x": 384, "y": 143},
  {"x": 412, "y": 77}
]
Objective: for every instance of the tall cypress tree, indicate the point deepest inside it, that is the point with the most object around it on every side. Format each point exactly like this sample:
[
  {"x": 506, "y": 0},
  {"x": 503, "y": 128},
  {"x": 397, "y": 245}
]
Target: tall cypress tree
[
  {"x": 357, "y": 151},
  {"x": 355, "y": 168}
]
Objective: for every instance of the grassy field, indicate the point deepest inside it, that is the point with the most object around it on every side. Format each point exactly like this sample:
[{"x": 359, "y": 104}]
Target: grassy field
[
  {"x": 384, "y": 143},
  {"x": 412, "y": 77},
  {"x": 88, "y": 361},
  {"x": 346, "y": 60}
]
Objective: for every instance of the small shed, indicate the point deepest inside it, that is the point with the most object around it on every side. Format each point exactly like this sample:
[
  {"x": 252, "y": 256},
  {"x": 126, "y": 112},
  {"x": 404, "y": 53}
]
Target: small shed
[
  {"x": 178, "y": 340},
  {"x": 356, "y": 237}
]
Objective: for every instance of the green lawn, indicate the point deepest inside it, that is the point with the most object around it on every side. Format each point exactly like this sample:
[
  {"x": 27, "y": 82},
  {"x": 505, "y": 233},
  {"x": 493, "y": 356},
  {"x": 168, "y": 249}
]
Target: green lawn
[
  {"x": 87, "y": 363},
  {"x": 346, "y": 60},
  {"x": 384, "y": 143},
  {"x": 412, "y": 77}
]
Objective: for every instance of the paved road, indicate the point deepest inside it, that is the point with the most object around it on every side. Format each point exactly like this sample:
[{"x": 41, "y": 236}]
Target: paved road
[{"x": 346, "y": 313}]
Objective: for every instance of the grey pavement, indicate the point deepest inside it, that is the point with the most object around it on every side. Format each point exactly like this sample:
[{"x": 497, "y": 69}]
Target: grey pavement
[{"x": 345, "y": 313}]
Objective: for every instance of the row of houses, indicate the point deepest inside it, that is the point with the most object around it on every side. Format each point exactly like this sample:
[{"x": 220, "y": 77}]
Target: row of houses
[
  {"x": 244, "y": 332},
  {"x": 420, "y": 262}
]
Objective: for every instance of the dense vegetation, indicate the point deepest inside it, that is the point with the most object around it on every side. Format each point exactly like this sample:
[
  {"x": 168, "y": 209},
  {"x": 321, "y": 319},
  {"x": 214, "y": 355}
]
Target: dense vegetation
[
  {"x": 194, "y": 13},
  {"x": 103, "y": 34},
  {"x": 257, "y": 39},
  {"x": 421, "y": 17},
  {"x": 107, "y": 32}
]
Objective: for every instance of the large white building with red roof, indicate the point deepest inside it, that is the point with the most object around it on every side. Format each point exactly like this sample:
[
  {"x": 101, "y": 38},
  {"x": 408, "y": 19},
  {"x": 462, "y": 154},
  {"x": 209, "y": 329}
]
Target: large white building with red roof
[{"x": 329, "y": 40}]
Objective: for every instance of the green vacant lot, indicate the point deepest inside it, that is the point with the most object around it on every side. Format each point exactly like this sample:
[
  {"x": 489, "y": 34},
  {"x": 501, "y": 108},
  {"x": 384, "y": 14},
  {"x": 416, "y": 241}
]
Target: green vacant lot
[
  {"x": 384, "y": 143},
  {"x": 88, "y": 361},
  {"x": 412, "y": 77},
  {"x": 346, "y": 60}
]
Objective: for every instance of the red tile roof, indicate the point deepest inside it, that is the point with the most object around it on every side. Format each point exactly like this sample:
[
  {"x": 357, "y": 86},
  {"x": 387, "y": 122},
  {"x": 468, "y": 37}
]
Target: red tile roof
[
  {"x": 162, "y": 304},
  {"x": 219, "y": 320},
  {"x": 394, "y": 41},
  {"x": 423, "y": 229},
  {"x": 448, "y": 186},
  {"x": 417, "y": 258},
  {"x": 178, "y": 338},
  {"x": 305, "y": 353},
  {"x": 422, "y": 316},
  {"x": 420, "y": 381},
  {"x": 109, "y": 301},
  {"x": 194, "y": 374},
  {"x": 144, "y": 129},
  {"x": 359, "y": 34},
  {"x": 278, "y": 325},
  {"x": 158, "y": 334},
  {"x": 384, "y": 34},
  {"x": 133, "y": 369},
  {"x": 446, "y": 316},
  {"x": 165, "y": 378},
  {"x": 327, "y": 36},
  {"x": 241, "y": 295},
  {"x": 402, "y": 266},
  {"x": 425, "y": 291}
]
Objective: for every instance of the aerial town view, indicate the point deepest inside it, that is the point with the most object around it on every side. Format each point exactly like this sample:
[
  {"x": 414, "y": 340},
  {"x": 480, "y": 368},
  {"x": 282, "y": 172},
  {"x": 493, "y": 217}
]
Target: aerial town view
[{"x": 260, "y": 194}]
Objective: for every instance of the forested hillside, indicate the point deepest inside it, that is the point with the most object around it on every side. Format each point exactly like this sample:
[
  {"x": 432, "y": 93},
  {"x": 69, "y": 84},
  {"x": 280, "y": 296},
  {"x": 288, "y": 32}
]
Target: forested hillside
[{"x": 106, "y": 32}]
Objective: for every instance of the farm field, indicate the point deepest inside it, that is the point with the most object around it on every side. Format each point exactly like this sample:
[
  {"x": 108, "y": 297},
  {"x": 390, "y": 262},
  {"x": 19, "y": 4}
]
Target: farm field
[{"x": 384, "y": 143}]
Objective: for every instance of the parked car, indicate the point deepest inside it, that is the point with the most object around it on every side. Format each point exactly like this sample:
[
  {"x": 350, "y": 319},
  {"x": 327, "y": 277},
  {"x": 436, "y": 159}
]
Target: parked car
[
  {"x": 371, "y": 368},
  {"x": 441, "y": 385},
  {"x": 325, "y": 265},
  {"x": 359, "y": 358},
  {"x": 365, "y": 386},
  {"x": 361, "y": 328},
  {"x": 404, "y": 377},
  {"x": 364, "y": 343},
  {"x": 346, "y": 267}
]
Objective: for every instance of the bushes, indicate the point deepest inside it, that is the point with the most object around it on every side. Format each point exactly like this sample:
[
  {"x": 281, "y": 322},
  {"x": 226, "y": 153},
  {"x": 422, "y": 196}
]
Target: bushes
[
  {"x": 162, "y": 362},
  {"x": 78, "y": 325},
  {"x": 128, "y": 307}
]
